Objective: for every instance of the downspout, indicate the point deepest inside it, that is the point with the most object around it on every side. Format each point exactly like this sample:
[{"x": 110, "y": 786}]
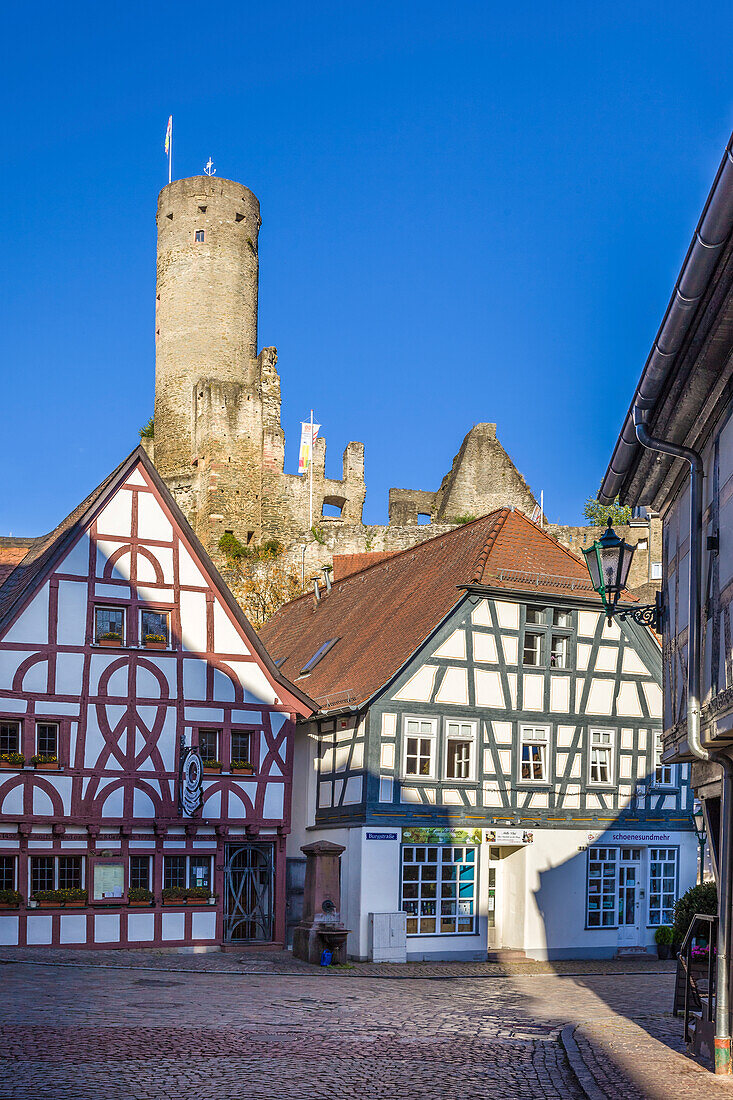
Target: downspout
[{"x": 725, "y": 899}]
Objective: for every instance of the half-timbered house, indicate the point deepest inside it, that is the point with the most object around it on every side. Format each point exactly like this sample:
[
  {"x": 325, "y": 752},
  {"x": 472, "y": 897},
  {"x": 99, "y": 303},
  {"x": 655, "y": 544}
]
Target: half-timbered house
[
  {"x": 146, "y": 738},
  {"x": 486, "y": 747}
]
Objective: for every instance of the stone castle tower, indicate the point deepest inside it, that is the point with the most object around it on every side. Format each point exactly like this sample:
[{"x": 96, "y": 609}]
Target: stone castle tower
[
  {"x": 218, "y": 440},
  {"x": 219, "y": 444}
]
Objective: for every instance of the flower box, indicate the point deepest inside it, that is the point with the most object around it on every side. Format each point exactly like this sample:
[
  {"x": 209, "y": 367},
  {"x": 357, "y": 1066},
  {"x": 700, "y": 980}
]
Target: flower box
[
  {"x": 209, "y": 770},
  {"x": 110, "y": 641},
  {"x": 12, "y": 760},
  {"x": 47, "y": 767},
  {"x": 155, "y": 645},
  {"x": 246, "y": 770},
  {"x": 50, "y": 905},
  {"x": 74, "y": 904},
  {"x": 174, "y": 901},
  {"x": 9, "y": 904},
  {"x": 139, "y": 904}
]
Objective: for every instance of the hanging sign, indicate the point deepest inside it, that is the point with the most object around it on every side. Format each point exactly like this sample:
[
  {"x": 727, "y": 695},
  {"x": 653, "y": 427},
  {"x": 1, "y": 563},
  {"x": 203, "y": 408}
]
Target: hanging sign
[{"x": 192, "y": 772}]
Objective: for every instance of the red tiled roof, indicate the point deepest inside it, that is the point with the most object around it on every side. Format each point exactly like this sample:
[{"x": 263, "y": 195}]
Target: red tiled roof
[
  {"x": 12, "y": 552},
  {"x": 382, "y": 614},
  {"x": 346, "y": 564}
]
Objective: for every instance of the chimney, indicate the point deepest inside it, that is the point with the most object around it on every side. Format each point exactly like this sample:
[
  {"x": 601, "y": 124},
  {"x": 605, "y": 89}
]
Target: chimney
[
  {"x": 327, "y": 577},
  {"x": 316, "y": 589}
]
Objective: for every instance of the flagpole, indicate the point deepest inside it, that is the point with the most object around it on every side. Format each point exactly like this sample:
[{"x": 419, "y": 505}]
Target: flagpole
[
  {"x": 310, "y": 472},
  {"x": 542, "y": 507},
  {"x": 170, "y": 154}
]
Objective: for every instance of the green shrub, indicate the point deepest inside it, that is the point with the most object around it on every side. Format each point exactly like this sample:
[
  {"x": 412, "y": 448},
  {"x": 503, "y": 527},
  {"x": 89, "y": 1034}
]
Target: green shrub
[
  {"x": 664, "y": 935},
  {"x": 467, "y": 518},
  {"x": 71, "y": 895},
  {"x": 10, "y": 897},
  {"x": 44, "y": 758},
  {"x": 698, "y": 899},
  {"x": 139, "y": 893},
  {"x": 110, "y": 636},
  {"x": 241, "y": 765},
  {"x": 211, "y": 763},
  {"x": 148, "y": 430},
  {"x": 174, "y": 893}
]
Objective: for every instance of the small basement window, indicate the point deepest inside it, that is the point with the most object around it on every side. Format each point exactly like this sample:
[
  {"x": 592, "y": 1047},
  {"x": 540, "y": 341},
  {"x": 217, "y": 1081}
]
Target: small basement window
[
  {"x": 317, "y": 656},
  {"x": 199, "y": 236}
]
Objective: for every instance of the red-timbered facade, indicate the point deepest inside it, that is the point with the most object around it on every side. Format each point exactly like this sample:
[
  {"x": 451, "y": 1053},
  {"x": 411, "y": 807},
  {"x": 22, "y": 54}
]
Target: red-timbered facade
[{"x": 126, "y": 670}]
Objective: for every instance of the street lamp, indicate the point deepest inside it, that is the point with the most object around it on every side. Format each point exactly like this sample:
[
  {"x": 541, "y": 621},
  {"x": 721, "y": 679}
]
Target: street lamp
[
  {"x": 609, "y": 561},
  {"x": 698, "y": 820}
]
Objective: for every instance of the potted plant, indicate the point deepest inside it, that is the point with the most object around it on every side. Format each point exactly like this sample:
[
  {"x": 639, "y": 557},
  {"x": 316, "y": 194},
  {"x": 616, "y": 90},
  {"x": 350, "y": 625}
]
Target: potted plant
[
  {"x": 664, "y": 938},
  {"x": 12, "y": 760},
  {"x": 155, "y": 641},
  {"x": 198, "y": 895},
  {"x": 9, "y": 899},
  {"x": 174, "y": 895},
  {"x": 243, "y": 766},
  {"x": 110, "y": 637},
  {"x": 48, "y": 899},
  {"x": 45, "y": 762},
  {"x": 139, "y": 895},
  {"x": 211, "y": 767},
  {"x": 73, "y": 899}
]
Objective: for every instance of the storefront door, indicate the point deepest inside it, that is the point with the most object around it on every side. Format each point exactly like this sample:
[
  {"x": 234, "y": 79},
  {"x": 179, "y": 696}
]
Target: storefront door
[{"x": 630, "y": 896}]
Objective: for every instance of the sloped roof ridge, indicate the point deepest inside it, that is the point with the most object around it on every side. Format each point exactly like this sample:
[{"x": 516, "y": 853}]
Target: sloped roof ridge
[
  {"x": 399, "y": 554},
  {"x": 501, "y": 518}
]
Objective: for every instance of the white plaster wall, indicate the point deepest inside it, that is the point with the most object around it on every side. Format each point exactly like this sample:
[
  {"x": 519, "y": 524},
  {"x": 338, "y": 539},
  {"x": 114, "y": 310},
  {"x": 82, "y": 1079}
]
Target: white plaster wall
[{"x": 32, "y": 624}]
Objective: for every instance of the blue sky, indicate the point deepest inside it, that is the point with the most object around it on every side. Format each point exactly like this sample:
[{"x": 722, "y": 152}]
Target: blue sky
[{"x": 470, "y": 213}]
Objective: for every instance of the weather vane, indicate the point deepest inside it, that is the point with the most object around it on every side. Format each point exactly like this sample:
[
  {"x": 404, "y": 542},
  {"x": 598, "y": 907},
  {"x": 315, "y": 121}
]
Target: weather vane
[{"x": 209, "y": 169}]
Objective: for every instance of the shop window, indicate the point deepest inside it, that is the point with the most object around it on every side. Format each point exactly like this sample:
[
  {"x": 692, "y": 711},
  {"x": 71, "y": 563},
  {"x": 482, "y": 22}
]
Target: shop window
[
  {"x": 174, "y": 872},
  {"x": 199, "y": 871},
  {"x": 109, "y": 625},
  {"x": 69, "y": 873},
  {"x": 439, "y": 889},
  {"x": 459, "y": 750},
  {"x": 154, "y": 627},
  {"x": 209, "y": 744},
  {"x": 419, "y": 757},
  {"x": 9, "y": 737},
  {"x": 601, "y": 900},
  {"x": 601, "y": 757},
  {"x": 7, "y": 872},
  {"x": 533, "y": 765},
  {"x": 47, "y": 739},
  {"x": 662, "y": 885},
  {"x": 139, "y": 872},
  {"x": 42, "y": 874}
]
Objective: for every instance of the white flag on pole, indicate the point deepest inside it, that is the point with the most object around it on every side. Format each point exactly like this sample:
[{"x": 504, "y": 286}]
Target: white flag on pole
[{"x": 308, "y": 435}]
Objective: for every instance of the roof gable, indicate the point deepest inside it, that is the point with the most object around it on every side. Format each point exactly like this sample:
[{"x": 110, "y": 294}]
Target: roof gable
[
  {"x": 158, "y": 516},
  {"x": 384, "y": 613}
]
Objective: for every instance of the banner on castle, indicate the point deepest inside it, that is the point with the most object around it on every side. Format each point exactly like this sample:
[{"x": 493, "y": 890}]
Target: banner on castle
[{"x": 308, "y": 436}]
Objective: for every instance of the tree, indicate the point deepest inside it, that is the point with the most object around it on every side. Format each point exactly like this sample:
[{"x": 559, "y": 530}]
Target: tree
[
  {"x": 597, "y": 514},
  {"x": 260, "y": 580}
]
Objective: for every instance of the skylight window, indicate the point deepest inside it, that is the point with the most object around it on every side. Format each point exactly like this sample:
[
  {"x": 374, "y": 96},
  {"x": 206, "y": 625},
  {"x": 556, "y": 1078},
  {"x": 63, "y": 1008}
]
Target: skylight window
[{"x": 317, "y": 656}]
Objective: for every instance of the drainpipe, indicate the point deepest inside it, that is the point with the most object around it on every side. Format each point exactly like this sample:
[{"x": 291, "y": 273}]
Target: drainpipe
[{"x": 725, "y": 892}]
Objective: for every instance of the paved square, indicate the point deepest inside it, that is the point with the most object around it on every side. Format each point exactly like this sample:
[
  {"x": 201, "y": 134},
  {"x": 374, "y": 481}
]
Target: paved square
[{"x": 147, "y": 1026}]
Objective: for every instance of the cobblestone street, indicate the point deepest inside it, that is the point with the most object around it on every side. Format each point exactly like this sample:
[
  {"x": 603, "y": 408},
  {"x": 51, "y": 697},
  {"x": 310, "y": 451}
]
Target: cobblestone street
[{"x": 146, "y": 1025}]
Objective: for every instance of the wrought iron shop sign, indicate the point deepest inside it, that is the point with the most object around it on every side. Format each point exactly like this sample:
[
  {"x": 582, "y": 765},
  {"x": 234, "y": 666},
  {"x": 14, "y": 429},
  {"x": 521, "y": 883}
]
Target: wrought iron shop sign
[{"x": 190, "y": 779}]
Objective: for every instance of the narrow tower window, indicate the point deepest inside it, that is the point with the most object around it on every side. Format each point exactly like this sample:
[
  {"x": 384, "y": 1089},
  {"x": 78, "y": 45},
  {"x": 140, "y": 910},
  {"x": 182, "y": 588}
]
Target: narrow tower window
[{"x": 199, "y": 236}]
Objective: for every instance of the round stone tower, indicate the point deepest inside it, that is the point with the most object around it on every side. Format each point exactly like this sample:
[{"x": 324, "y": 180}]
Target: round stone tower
[{"x": 206, "y": 308}]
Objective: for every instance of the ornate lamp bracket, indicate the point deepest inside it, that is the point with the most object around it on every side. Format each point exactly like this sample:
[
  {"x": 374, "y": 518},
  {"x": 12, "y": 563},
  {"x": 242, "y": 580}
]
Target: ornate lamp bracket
[{"x": 649, "y": 615}]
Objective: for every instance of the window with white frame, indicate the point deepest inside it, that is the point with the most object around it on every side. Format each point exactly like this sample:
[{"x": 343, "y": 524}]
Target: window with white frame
[
  {"x": 184, "y": 872},
  {"x": 663, "y": 773},
  {"x": 662, "y": 885},
  {"x": 419, "y": 754},
  {"x": 460, "y": 738},
  {"x": 56, "y": 873},
  {"x": 439, "y": 889},
  {"x": 601, "y": 899},
  {"x": 601, "y": 757},
  {"x": 533, "y": 749},
  {"x": 533, "y": 651},
  {"x": 559, "y": 651},
  {"x": 8, "y": 873},
  {"x": 47, "y": 739}
]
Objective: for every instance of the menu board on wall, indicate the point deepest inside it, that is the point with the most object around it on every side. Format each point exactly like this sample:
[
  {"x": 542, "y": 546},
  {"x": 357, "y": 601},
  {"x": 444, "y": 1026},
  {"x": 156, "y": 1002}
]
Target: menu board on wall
[{"x": 109, "y": 880}]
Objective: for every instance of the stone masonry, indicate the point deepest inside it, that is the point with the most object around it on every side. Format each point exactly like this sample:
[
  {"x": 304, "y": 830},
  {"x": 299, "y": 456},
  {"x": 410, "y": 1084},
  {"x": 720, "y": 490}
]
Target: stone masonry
[{"x": 219, "y": 443}]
